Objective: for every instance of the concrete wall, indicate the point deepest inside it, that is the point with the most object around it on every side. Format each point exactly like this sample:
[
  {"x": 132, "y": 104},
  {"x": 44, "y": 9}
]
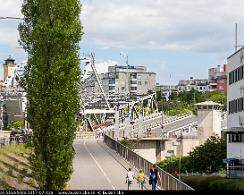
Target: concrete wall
[
  {"x": 186, "y": 146},
  {"x": 209, "y": 123},
  {"x": 147, "y": 149}
]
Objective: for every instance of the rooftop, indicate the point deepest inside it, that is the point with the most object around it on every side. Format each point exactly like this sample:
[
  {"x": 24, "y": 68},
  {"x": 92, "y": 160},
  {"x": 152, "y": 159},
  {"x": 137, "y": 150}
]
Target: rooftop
[{"x": 208, "y": 103}]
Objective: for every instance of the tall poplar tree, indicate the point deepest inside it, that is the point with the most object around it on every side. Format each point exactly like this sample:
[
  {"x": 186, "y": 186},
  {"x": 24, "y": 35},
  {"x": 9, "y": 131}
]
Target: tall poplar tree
[{"x": 50, "y": 34}]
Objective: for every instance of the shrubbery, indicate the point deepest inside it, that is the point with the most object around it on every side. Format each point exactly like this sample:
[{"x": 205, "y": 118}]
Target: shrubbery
[
  {"x": 206, "y": 158},
  {"x": 213, "y": 183}
]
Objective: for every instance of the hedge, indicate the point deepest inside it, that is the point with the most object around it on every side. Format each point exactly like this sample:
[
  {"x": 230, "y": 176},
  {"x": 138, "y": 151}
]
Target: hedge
[{"x": 212, "y": 183}]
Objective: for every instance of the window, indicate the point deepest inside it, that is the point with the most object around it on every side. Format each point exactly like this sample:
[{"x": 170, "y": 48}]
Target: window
[
  {"x": 236, "y": 137},
  {"x": 111, "y": 87},
  {"x": 236, "y": 75},
  {"x": 139, "y": 82},
  {"x": 134, "y": 76},
  {"x": 133, "y": 82},
  {"x": 236, "y": 106},
  {"x": 111, "y": 81},
  {"x": 133, "y": 88}
]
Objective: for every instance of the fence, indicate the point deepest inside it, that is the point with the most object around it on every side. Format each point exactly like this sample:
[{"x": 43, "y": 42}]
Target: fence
[
  {"x": 169, "y": 182},
  {"x": 235, "y": 171}
]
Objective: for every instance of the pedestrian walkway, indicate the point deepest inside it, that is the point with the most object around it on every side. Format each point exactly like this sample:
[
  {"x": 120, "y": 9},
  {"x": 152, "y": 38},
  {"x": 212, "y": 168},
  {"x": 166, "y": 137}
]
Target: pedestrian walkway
[{"x": 97, "y": 167}]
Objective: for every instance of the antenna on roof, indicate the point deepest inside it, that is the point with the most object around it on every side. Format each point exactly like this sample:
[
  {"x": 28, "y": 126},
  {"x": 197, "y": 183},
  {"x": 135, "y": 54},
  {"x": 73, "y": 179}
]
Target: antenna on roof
[{"x": 236, "y": 38}]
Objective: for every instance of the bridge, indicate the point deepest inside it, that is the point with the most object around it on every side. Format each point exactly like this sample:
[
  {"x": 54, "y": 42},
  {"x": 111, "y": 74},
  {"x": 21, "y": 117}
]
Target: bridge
[{"x": 102, "y": 164}]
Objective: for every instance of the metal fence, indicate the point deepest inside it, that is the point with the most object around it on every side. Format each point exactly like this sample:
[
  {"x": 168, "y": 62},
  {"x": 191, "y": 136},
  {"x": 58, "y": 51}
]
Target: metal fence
[
  {"x": 235, "y": 171},
  {"x": 169, "y": 182}
]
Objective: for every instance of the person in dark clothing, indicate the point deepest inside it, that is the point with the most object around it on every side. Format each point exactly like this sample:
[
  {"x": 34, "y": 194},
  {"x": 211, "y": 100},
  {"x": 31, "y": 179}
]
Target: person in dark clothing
[{"x": 153, "y": 177}]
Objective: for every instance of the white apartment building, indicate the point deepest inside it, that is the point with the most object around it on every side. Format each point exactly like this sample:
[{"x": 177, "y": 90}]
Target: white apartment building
[
  {"x": 235, "y": 122},
  {"x": 128, "y": 80}
]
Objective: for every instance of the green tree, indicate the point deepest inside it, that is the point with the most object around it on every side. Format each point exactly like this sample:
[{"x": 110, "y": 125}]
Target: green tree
[
  {"x": 50, "y": 34},
  {"x": 208, "y": 156}
]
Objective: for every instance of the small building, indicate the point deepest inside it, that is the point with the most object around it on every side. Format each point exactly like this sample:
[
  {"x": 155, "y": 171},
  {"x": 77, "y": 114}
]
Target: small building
[{"x": 209, "y": 118}]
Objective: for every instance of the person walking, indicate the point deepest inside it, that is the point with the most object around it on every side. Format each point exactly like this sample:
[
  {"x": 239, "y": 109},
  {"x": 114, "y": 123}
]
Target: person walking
[
  {"x": 154, "y": 177},
  {"x": 141, "y": 179},
  {"x": 129, "y": 178}
]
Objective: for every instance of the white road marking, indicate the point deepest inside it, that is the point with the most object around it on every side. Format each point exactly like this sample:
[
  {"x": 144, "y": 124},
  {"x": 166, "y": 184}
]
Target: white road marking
[{"x": 99, "y": 166}]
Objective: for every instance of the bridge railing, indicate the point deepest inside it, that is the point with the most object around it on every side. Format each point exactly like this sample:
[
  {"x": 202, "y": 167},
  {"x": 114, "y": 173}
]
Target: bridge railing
[
  {"x": 172, "y": 119},
  {"x": 169, "y": 182}
]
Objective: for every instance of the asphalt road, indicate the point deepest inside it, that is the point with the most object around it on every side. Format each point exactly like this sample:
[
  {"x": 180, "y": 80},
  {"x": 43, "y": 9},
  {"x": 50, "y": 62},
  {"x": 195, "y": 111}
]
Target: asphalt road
[{"x": 96, "y": 169}]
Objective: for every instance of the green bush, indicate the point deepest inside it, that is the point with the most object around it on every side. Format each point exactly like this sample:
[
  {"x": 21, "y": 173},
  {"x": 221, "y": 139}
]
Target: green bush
[
  {"x": 213, "y": 183},
  {"x": 227, "y": 184}
]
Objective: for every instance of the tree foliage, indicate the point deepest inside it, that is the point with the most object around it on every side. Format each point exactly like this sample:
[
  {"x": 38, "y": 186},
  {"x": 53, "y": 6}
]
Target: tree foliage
[
  {"x": 206, "y": 158},
  {"x": 184, "y": 101},
  {"x": 50, "y": 34}
]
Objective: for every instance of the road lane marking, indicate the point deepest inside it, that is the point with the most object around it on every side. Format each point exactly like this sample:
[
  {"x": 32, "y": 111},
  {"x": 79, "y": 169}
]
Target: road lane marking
[{"x": 99, "y": 166}]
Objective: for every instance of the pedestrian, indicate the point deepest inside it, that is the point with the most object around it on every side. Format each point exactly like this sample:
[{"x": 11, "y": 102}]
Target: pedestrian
[
  {"x": 129, "y": 178},
  {"x": 141, "y": 179},
  {"x": 154, "y": 176}
]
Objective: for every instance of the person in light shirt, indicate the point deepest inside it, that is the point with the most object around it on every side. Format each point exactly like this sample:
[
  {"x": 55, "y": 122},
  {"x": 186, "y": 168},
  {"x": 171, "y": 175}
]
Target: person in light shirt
[{"x": 129, "y": 178}]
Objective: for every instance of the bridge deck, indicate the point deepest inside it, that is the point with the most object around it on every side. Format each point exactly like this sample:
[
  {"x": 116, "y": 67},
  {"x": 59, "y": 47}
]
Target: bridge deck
[{"x": 96, "y": 167}]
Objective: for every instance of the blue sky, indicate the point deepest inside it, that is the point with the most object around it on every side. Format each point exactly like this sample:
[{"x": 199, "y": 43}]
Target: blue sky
[{"x": 181, "y": 38}]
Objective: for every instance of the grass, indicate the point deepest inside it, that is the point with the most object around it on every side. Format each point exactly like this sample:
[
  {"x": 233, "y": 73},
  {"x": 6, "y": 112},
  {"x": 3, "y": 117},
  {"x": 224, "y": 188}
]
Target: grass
[
  {"x": 15, "y": 148},
  {"x": 15, "y": 168}
]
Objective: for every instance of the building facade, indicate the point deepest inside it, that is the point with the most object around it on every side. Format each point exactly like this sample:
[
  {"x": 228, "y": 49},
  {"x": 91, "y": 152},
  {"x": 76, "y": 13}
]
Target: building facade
[
  {"x": 128, "y": 80},
  {"x": 218, "y": 78},
  {"x": 235, "y": 122}
]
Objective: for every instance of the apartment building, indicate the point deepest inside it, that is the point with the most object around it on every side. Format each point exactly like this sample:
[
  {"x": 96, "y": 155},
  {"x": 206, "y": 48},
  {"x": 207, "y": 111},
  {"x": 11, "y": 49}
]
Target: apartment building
[
  {"x": 218, "y": 78},
  {"x": 235, "y": 121},
  {"x": 132, "y": 80}
]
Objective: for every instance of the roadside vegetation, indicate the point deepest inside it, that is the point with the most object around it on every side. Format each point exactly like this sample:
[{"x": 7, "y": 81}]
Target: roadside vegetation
[
  {"x": 50, "y": 33},
  {"x": 213, "y": 183},
  {"x": 15, "y": 170},
  {"x": 206, "y": 158},
  {"x": 203, "y": 168}
]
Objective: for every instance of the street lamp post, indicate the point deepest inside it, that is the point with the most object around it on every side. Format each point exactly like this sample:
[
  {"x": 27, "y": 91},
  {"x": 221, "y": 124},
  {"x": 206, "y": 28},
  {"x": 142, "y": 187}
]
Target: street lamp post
[{"x": 1, "y": 99}]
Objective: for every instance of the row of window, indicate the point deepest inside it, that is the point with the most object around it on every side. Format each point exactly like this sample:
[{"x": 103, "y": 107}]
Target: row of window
[
  {"x": 236, "y": 106},
  {"x": 236, "y": 137},
  {"x": 236, "y": 75}
]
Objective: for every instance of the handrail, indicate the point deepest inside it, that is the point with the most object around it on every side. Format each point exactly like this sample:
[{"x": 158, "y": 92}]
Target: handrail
[{"x": 169, "y": 182}]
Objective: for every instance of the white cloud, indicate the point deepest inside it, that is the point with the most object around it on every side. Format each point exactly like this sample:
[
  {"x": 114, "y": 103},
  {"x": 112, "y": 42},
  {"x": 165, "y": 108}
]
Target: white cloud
[
  {"x": 100, "y": 65},
  {"x": 9, "y": 34},
  {"x": 197, "y": 25}
]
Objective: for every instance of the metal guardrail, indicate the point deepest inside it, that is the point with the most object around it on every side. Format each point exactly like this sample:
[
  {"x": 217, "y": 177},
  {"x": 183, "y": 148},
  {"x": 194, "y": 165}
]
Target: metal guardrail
[
  {"x": 169, "y": 182},
  {"x": 172, "y": 119}
]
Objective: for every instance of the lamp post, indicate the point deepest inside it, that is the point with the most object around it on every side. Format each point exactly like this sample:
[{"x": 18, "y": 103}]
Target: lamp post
[{"x": 1, "y": 99}]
